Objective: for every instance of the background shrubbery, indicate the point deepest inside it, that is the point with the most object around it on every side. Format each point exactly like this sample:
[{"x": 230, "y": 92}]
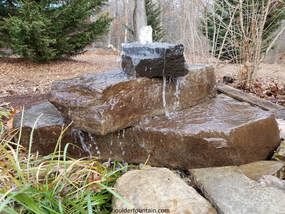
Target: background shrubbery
[{"x": 44, "y": 30}]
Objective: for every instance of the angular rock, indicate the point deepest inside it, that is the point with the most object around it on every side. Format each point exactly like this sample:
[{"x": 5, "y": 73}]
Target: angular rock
[
  {"x": 105, "y": 102},
  {"x": 153, "y": 60},
  {"x": 231, "y": 192},
  {"x": 46, "y": 131},
  {"x": 159, "y": 188},
  {"x": 219, "y": 132},
  {"x": 258, "y": 169}
]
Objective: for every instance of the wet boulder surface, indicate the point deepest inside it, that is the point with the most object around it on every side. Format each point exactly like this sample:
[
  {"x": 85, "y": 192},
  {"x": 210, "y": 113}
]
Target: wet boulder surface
[
  {"x": 47, "y": 125},
  {"x": 106, "y": 102},
  {"x": 218, "y": 132},
  {"x": 153, "y": 60}
]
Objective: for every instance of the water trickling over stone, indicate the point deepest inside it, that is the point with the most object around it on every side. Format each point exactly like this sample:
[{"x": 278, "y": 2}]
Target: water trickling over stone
[
  {"x": 79, "y": 136},
  {"x": 109, "y": 101}
]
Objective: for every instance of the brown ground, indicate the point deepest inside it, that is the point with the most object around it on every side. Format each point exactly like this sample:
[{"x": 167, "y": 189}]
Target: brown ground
[
  {"x": 26, "y": 83},
  {"x": 270, "y": 83}
]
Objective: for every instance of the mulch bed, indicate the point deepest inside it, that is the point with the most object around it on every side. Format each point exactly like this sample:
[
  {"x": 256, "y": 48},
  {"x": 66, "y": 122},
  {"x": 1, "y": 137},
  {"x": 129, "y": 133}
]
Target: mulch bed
[{"x": 26, "y": 101}]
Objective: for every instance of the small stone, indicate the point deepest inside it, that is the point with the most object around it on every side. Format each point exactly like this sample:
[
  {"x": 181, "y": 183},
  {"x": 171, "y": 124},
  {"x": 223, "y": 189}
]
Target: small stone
[
  {"x": 228, "y": 79},
  {"x": 153, "y": 60},
  {"x": 156, "y": 189}
]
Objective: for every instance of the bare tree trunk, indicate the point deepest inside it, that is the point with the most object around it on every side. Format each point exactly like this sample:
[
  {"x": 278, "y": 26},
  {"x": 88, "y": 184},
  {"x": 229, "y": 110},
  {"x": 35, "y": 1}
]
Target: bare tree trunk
[
  {"x": 111, "y": 27},
  {"x": 139, "y": 18},
  {"x": 126, "y": 21}
]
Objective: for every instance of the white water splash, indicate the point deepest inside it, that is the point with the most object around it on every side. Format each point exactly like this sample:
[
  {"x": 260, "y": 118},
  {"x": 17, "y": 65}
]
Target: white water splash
[
  {"x": 177, "y": 94},
  {"x": 122, "y": 149},
  {"x": 164, "y": 86},
  {"x": 111, "y": 144},
  {"x": 94, "y": 142},
  {"x": 79, "y": 134},
  {"x": 145, "y": 35}
]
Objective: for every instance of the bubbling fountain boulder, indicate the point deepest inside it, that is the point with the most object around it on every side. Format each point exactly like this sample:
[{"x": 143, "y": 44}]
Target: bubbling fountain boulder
[
  {"x": 153, "y": 60},
  {"x": 159, "y": 108},
  {"x": 109, "y": 101}
]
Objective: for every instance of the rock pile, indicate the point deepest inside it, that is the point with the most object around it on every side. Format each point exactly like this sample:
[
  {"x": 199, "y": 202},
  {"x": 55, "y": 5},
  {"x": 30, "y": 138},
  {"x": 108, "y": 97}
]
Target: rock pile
[
  {"x": 174, "y": 119},
  {"x": 160, "y": 109}
]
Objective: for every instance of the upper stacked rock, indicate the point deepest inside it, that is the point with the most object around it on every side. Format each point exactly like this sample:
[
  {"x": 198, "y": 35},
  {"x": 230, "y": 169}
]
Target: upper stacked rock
[
  {"x": 154, "y": 60},
  {"x": 109, "y": 101}
]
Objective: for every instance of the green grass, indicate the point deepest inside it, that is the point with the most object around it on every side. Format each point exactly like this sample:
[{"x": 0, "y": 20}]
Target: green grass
[{"x": 55, "y": 183}]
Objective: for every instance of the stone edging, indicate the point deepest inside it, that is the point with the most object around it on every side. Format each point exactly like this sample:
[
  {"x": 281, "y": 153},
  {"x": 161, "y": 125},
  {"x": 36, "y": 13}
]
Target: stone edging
[{"x": 278, "y": 110}]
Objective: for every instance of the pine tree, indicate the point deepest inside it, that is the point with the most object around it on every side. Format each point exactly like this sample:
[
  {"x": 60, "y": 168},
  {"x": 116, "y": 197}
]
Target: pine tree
[
  {"x": 7, "y": 8},
  {"x": 153, "y": 13},
  {"x": 43, "y": 30},
  {"x": 223, "y": 28}
]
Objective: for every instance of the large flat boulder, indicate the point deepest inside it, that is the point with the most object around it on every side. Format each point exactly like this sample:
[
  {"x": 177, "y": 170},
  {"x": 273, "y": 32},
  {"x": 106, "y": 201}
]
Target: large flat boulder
[
  {"x": 153, "y": 60},
  {"x": 47, "y": 125},
  {"x": 231, "y": 192},
  {"x": 158, "y": 190},
  {"x": 109, "y": 101},
  {"x": 219, "y": 132}
]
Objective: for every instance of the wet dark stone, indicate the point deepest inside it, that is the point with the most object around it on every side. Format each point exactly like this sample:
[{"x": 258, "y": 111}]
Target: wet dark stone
[
  {"x": 219, "y": 132},
  {"x": 228, "y": 79},
  {"x": 47, "y": 130},
  {"x": 109, "y": 101},
  {"x": 153, "y": 60}
]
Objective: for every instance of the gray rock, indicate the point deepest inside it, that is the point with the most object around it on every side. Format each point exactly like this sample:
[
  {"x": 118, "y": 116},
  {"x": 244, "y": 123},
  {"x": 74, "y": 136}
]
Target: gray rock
[
  {"x": 159, "y": 188},
  {"x": 46, "y": 112},
  {"x": 153, "y": 60},
  {"x": 109, "y": 101},
  {"x": 231, "y": 192}
]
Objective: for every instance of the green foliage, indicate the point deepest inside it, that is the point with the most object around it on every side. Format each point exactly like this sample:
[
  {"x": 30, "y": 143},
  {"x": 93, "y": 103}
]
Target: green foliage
[
  {"x": 153, "y": 13},
  {"x": 222, "y": 26},
  {"x": 54, "y": 183},
  {"x": 7, "y": 8},
  {"x": 43, "y": 30}
]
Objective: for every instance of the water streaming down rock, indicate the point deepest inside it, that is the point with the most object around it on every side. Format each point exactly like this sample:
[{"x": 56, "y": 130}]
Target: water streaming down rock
[
  {"x": 208, "y": 134},
  {"x": 105, "y": 102},
  {"x": 177, "y": 93},
  {"x": 79, "y": 136},
  {"x": 94, "y": 142}
]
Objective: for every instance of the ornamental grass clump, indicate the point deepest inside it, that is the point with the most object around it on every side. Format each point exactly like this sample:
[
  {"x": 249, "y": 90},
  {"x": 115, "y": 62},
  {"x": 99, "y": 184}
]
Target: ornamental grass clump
[{"x": 56, "y": 183}]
